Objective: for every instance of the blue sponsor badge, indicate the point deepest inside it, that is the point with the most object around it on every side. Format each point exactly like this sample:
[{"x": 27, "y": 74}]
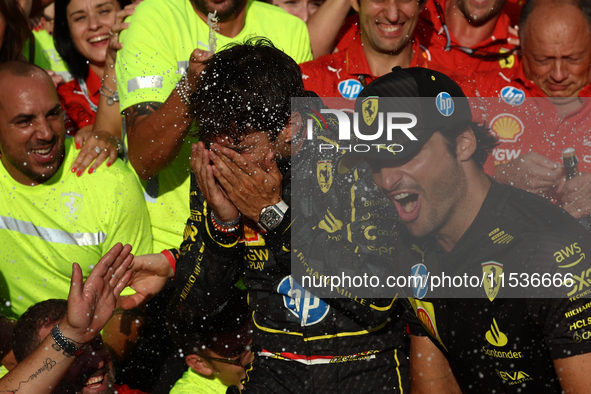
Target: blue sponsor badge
[
  {"x": 445, "y": 104},
  {"x": 512, "y": 95},
  {"x": 419, "y": 280},
  {"x": 308, "y": 308},
  {"x": 350, "y": 88}
]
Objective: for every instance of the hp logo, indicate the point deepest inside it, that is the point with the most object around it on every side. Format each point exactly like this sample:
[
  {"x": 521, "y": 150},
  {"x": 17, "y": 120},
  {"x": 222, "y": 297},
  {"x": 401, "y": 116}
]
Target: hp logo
[
  {"x": 445, "y": 104},
  {"x": 350, "y": 88}
]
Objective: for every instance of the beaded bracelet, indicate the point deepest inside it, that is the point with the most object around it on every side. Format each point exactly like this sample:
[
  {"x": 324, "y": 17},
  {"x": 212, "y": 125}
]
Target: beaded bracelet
[{"x": 226, "y": 227}]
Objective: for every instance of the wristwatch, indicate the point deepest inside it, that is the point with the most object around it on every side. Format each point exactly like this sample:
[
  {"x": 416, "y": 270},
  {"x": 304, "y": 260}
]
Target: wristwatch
[{"x": 272, "y": 215}]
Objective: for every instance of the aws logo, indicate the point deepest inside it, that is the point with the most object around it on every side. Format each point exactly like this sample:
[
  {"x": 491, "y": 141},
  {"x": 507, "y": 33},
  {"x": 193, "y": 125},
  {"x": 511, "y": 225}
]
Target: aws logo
[
  {"x": 495, "y": 336},
  {"x": 568, "y": 252},
  {"x": 515, "y": 377}
]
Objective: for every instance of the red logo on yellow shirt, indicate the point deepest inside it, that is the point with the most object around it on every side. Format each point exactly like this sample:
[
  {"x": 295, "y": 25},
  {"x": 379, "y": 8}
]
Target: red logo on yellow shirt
[{"x": 507, "y": 127}]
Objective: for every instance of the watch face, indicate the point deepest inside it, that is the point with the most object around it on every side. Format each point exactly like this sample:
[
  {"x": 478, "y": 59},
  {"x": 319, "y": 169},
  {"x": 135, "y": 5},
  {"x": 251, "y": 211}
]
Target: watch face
[{"x": 271, "y": 218}]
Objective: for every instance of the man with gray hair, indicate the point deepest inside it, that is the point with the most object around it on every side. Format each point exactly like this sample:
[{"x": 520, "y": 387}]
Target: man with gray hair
[{"x": 555, "y": 64}]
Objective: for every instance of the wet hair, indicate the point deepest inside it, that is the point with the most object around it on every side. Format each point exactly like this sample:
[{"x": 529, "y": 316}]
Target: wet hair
[
  {"x": 245, "y": 88},
  {"x": 16, "y": 33},
  {"x": 192, "y": 332},
  {"x": 77, "y": 64},
  {"x": 530, "y": 5},
  {"x": 25, "y": 335},
  {"x": 485, "y": 140}
]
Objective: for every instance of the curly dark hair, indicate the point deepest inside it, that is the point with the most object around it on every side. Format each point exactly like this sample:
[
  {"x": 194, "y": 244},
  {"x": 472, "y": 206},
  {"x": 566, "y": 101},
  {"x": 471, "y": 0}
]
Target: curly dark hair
[
  {"x": 246, "y": 87},
  {"x": 16, "y": 33},
  {"x": 77, "y": 64},
  {"x": 25, "y": 335}
]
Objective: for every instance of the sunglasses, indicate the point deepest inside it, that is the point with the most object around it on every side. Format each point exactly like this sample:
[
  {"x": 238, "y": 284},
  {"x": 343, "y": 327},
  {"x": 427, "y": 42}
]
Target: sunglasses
[
  {"x": 476, "y": 53},
  {"x": 237, "y": 361}
]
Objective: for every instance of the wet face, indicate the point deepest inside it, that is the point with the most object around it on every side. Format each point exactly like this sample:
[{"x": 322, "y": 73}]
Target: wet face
[
  {"x": 225, "y": 8},
  {"x": 427, "y": 189},
  {"x": 387, "y": 26},
  {"x": 557, "y": 50},
  {"x": 31, "y": 127},
  {"x": 479, "y": 12},
  {"x": 91, "y": 373},
  {"x": 303, "y": 9},
  {"x": 89, "y": 22}
]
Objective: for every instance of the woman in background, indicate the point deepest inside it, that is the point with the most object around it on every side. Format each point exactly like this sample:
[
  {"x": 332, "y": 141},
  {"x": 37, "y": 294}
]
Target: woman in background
[{"x": 82, "y": 33}]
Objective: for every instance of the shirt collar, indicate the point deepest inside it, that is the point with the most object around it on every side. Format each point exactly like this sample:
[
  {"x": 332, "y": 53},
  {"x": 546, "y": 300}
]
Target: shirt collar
[{"x": 432, "y": 17}]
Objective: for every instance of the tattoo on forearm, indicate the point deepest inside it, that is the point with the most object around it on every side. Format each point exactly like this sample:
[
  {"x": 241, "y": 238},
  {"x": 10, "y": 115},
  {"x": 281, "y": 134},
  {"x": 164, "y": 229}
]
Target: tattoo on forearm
[
  {"x": 48, "y": 365},
  {"x": 132, "y": 113}
]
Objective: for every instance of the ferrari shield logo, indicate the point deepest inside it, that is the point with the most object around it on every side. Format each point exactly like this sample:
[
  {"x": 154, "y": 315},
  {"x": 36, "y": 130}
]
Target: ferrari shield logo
[
  {"x": 324, "y": 175},
  {"x": 491, "y": 272},
  {"x": 369, "y": 106},
  {"x": 507, "y": 62},
  {"x": 71, "y": 204}
]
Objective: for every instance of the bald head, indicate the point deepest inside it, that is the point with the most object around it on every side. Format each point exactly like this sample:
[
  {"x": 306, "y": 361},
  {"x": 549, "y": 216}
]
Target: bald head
[
  {"x": 556, "y": 46},
  {"x": 22, "y": 69}
]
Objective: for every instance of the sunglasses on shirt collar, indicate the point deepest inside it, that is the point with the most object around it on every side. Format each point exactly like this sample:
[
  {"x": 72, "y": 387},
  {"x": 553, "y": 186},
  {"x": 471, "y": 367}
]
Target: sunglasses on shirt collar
[{"x": 476, "y": 53}]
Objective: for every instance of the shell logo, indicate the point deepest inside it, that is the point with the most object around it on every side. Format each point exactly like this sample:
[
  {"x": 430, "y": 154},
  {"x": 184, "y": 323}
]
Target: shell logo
[
  {"x": 507, "y": 127},
  {"x": 424, "y": 317}
]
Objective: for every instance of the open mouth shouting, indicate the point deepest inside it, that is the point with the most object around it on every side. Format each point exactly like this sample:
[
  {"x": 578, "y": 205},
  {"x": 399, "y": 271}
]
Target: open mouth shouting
[{"x": 407, "y": 205}]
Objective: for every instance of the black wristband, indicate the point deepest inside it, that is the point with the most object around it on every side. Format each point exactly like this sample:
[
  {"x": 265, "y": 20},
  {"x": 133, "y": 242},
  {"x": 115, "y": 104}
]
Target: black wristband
[{"x": 67, "y": 345}]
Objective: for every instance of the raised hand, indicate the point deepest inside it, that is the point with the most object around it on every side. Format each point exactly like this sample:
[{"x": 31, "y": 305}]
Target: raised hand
[
  {"x": 150, "y": 273},
  {"x": 249, "y": 187},
  {"x": 215, "y": 195},
  {"x": 91, "y": 303}
]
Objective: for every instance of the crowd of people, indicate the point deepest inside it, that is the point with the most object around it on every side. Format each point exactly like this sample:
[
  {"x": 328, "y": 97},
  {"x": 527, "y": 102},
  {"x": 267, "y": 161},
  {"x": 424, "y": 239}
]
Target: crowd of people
[{"x": 238, "y": 147}]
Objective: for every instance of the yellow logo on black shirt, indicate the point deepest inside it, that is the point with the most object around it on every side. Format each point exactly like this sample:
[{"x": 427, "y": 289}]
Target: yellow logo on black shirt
[
  {"x": 369, "y": 107},
  {"x": 567, "y": 252},
  {"x": 330, "y": 224},
  {"x": 491, "y": 282},
  {"x": 324, "y": 175},
  {"x": 496, "y": 337}
]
